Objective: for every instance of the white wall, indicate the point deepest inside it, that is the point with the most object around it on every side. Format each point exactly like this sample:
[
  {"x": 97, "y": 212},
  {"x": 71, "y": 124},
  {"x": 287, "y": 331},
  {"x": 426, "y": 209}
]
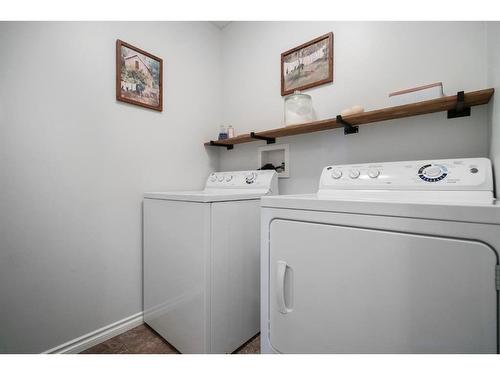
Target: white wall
[
  {"x": 493, "y": 48},
  {"x": 371, "y": 59},
  {"x": 74, "y": 164}
]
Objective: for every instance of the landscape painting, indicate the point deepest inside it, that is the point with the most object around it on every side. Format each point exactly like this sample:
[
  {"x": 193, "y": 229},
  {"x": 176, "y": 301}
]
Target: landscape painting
[
  {"x": 138, "y": 77},
  {"x": 308, "y": 65}
]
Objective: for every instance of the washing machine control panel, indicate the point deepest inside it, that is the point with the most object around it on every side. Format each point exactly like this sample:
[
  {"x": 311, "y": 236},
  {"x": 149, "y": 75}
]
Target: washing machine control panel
[
  {"x": 242, "y": 179},
  {"x": 446, "y": 174}
]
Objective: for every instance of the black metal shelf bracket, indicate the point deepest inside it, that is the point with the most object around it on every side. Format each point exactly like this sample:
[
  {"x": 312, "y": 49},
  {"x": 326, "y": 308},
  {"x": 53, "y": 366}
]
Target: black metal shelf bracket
[
  {"x": 269, "y": 140},
  {"x": 460, "y": 110},
  {"x": 348, "y": 128},
  {"x": 228, "y": 147}
]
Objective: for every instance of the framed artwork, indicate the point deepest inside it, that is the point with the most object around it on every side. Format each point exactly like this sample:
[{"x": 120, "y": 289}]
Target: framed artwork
[
  {"x": 308, "y": 65},
  {"x": 139, "y": 77}
]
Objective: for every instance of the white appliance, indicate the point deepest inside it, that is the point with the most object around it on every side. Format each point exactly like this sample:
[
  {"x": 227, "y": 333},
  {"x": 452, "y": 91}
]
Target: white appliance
[
  {"x": 201, "y": 261},
  {"x": 386, "y": 258}
]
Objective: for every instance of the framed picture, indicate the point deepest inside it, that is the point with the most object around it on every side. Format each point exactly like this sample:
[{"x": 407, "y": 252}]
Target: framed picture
[
  {"x": 308, "y": 65},
  {"x": 139, "y": 77}
]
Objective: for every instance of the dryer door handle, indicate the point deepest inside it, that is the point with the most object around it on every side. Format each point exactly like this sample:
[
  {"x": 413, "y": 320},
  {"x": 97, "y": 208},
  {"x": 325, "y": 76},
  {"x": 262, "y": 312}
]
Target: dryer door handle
[{"x": 284, "y": 285}]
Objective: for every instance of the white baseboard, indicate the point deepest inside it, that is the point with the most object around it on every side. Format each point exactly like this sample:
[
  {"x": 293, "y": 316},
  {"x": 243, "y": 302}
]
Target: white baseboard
[{"x": 102, "y": 334}]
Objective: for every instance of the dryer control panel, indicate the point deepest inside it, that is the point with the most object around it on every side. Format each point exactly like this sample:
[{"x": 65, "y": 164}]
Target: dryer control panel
[{"x": 446, "y": 174}]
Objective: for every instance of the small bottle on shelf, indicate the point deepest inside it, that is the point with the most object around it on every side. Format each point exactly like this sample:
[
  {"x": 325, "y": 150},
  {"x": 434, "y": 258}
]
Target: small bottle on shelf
[
  {"x": 222, "y": 133},
  {"x": 230, "y": 131}
]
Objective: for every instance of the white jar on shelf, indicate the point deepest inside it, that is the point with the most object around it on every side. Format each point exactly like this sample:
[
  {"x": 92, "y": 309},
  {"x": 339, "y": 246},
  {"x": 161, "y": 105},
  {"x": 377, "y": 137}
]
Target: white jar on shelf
[{"x": 298, "y": 108}]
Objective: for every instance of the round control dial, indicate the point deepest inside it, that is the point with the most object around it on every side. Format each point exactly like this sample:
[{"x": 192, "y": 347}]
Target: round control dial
[
  {"x": 220, "y": 178},
  {"x": 432, "y": 172},
  {"x": 213, "y": 177},
  {"x": 229, "y": 178},
  {"x": 336, "y": 174},
  {"x": 250, "y": 178},
  {"x": 373, "y": 173},
  {"x": 353, "y": 173}
]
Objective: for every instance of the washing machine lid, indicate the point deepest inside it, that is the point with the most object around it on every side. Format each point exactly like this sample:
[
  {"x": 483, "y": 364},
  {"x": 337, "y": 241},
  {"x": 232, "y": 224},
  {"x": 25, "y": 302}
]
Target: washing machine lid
[
  {"x": 207, "y": 196},
  {"x": 227, "y": 186},
  {"x": 451, "y": 189}
]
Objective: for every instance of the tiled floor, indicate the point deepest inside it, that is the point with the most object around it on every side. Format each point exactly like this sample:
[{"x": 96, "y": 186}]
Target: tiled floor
[{"x": 143, "y": 340}]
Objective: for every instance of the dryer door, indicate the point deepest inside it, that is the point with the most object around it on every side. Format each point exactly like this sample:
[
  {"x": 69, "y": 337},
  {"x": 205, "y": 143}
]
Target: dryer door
[{"x": 337, "y": 289}]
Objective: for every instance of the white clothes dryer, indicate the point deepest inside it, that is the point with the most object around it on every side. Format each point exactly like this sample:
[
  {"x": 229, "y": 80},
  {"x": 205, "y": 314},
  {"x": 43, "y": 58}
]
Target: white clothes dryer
[{"x": 398, "y": 257}]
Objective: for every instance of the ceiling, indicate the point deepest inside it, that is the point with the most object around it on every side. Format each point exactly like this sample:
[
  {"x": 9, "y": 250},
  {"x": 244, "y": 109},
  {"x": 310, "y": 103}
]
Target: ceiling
[{"x": 221, "y": 24}]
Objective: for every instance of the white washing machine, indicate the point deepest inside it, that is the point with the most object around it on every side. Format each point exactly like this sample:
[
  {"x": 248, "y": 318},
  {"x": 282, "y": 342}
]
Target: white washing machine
[
  {"x": 386, "y": 258},
  {"x": 201, "y": 261}
]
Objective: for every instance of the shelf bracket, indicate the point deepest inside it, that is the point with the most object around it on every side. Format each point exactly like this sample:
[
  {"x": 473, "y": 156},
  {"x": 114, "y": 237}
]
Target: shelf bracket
[
  {"x": 269, "y": 140},
  {"x": 228, "y": 147},
  {"x": 460, "y": 110},
  {"x": 348, "y": 128}
]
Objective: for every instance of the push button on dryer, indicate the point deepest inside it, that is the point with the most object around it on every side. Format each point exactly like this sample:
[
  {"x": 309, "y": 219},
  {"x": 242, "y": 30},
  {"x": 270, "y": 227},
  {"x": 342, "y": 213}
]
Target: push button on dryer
[
  {"x": 353, "y": 173},
  {"x": 373, "y": 173}
]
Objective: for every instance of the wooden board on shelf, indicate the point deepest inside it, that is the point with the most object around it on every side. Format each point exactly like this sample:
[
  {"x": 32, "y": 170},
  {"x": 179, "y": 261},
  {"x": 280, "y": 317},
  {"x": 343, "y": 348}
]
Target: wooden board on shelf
[
  {"x": 243, "y": 138},
  {"x": 473, "y": 98}
]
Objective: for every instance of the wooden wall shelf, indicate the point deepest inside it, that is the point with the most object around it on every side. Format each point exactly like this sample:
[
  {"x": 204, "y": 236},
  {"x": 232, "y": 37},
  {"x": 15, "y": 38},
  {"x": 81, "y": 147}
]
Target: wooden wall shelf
[{"x": 447, "y": 103}]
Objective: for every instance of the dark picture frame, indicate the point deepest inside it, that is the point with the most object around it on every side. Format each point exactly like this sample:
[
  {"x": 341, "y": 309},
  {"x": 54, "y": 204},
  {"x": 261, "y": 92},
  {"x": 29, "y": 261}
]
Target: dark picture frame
[
  {"x": 139, "y": 77},
  {"x": 296, "y": 74}
]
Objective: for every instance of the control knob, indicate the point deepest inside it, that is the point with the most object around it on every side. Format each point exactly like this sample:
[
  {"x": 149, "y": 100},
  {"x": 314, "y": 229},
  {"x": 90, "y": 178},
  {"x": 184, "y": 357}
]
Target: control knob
[
  {"x": 336, "y": 174},
  {"x": 213, "y": 177},
  {"x": 433, "y": 171},
  {"x": 250, "y": 178}
]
